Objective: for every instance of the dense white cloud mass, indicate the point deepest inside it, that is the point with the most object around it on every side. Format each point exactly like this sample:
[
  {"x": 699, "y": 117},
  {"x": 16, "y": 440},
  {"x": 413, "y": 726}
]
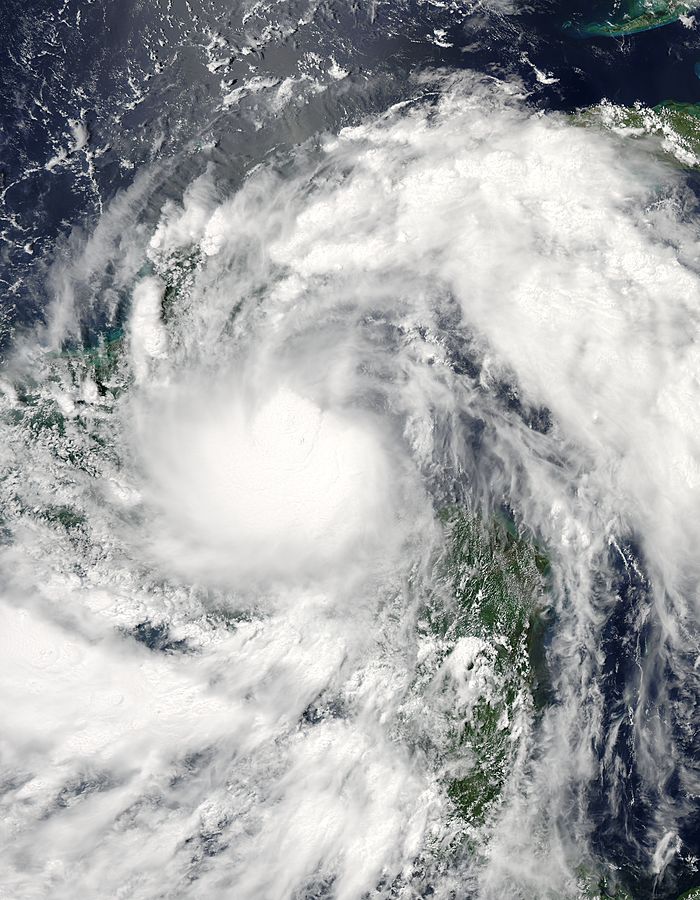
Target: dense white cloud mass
[
  {"x": 256, "y": 505},
  {"x": 265, "y": 485}
]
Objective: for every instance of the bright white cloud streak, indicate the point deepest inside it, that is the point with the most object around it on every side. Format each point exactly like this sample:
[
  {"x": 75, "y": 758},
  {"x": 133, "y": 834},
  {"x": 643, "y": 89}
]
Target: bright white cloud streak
[{"x": 264, "y": 491}]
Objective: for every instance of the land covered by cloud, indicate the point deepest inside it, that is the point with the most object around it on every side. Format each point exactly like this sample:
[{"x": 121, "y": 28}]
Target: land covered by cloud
[{"x": 215, "y": 676}]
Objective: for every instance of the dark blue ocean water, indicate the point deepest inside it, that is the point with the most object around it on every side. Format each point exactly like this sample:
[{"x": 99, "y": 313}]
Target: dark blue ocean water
[{"x": 136, "y": 78}]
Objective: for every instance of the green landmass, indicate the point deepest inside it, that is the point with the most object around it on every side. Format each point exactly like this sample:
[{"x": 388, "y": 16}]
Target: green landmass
[
  {"x": 638, "y": 16},
  {"x": 601, "y": 889},
  {"x": 596, "y": 887},
  {"x": 101, "y": 357},
  {"x": 64, "y": 516},
  {"x": 496, "y": 579},
  {"x": 676, "y": 125},
  {"x": 178, "y": 272}
]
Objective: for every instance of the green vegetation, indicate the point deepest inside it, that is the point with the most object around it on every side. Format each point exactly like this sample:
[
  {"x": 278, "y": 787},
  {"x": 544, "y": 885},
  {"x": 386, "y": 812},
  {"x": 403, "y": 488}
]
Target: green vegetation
[
  {"x": 496, "y": 579},
  {"x": 677, "y": 125},
  {"x": 63, "y": 515},
  {"x": 595, "y": 888},
  {"x": 178, "y": 272},
  {"x": 682, "y": 121},
  {"x": 599, "y": 888},
  {"x": 638, "y": 15},
  {"x": 101, "y": 358}
]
